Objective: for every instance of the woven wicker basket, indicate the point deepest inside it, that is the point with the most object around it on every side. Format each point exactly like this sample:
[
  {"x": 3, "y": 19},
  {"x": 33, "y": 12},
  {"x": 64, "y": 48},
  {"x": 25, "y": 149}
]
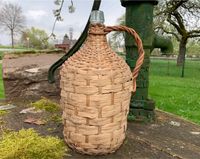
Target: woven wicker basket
[{"x": 96, "y": 86}]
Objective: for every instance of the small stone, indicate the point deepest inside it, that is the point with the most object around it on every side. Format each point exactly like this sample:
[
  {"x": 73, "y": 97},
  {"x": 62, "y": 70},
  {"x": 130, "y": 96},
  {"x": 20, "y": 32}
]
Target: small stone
[
  {"x": 175, "y": 123},
  {"x": 7, "y": 107},
  {"x": 33, "y": 70},
  {"x": 30, "y": 110},
  {"x": 169, "y": 149},
  {"x": 195, "y": 132},
  {"x": 154, "y": 125}
]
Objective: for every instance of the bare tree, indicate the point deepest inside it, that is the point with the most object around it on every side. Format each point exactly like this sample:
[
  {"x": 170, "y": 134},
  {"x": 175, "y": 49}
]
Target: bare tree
[
  {"x": 184, "y": 19},
  {"x": 117, "y": 39},
  {"x": 11, "y": 19}
]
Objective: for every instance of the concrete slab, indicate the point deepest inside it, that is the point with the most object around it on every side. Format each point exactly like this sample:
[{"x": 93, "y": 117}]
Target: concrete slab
[{"x": 156, "y": 140}]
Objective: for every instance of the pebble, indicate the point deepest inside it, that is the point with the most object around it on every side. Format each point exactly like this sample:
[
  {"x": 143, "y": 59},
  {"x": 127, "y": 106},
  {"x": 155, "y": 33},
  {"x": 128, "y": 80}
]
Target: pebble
[
  {"x": 195, "y": 132},
  {"x": 175, "y": 123}
]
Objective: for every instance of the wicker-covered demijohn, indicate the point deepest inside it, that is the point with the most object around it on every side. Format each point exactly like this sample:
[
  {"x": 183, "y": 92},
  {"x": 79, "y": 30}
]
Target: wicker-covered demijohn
[{"x": 96, "y": 86}]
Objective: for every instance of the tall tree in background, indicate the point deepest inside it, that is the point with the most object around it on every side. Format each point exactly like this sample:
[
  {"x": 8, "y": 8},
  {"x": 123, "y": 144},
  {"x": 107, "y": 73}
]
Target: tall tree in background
[
  {"x": 35, "y": 38},
  {"x": 12, "y": 19},
  {"x": 180, "y": 18}
]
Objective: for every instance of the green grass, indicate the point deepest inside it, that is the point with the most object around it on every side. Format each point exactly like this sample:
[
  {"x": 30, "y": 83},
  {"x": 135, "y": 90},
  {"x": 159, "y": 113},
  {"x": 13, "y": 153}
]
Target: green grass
[
  {"x": 174, "y": 94},
  {"x": 1, "y": 84},
  {"x": 10, "y": 47},
  {"x": 16, "y": 50}
]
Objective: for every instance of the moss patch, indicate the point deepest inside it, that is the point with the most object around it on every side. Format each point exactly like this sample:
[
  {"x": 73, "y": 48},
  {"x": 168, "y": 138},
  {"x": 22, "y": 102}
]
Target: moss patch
[
  {"x": 56, "y": 118},
  {"x": 28, "y": 144},
  {"x": 3, "y": 112},
  {"x": 46, "y": 104}
]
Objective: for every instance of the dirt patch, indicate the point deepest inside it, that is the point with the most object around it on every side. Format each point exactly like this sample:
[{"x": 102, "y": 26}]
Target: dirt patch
[
  {"x": 157, "y": 140},
  {"x": 15, "y": 121}
]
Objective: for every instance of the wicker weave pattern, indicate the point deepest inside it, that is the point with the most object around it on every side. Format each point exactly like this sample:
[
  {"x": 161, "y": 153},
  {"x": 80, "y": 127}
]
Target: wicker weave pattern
[{"x": 96, "y": 86}]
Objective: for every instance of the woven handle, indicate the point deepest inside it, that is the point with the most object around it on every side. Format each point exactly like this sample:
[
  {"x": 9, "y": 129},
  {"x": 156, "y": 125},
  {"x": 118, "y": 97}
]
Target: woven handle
[{"x": 139, "y": 45}]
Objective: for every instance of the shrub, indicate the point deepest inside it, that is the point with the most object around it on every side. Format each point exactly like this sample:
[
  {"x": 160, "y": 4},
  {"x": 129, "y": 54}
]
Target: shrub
[{"x": 28, "y": 144}]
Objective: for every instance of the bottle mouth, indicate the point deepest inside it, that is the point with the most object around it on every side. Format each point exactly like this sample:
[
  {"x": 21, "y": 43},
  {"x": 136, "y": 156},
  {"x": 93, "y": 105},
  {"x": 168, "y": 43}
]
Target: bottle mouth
[{"x": 97, "y": 17}]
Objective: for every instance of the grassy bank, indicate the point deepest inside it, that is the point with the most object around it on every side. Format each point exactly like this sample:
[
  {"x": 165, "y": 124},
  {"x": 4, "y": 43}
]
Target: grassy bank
[{"x": 174, "y": 94}]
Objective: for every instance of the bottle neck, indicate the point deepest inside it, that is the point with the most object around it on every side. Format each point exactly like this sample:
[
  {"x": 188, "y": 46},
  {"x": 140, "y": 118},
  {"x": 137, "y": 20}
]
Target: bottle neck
[
  {"x": 97, "y": 29},
  {"x": 97, "y": 36}
]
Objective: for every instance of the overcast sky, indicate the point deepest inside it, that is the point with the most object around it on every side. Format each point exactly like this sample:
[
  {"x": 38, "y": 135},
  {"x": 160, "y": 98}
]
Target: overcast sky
[{"x": 39, "y": 14}]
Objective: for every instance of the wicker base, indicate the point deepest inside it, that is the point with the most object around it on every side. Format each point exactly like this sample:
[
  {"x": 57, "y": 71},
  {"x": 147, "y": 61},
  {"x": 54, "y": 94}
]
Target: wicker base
[
  {"x": 101, "y": 150},
  {"x": 96, "y": 124}
]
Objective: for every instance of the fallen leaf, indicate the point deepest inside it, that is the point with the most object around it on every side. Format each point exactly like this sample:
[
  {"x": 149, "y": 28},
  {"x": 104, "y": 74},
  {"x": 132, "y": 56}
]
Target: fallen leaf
[
  {"x": 31, "y": 120},
  {"x": 39, "y": 122}
]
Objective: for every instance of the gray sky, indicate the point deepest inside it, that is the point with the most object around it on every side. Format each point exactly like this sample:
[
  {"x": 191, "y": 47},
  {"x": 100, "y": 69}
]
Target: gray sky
[{"x": 39, "y": 14}]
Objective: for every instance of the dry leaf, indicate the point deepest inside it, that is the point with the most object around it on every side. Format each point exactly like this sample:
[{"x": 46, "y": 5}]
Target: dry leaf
[{"x": 31, "y": 120}]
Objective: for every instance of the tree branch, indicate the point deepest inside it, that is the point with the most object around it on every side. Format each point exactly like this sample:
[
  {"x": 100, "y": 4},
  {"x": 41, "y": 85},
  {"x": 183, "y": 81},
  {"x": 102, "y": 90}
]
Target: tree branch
[
  {"x": 194, "y": 36},
  {"x": 179, "y": 20},
  {"x": 174, "y": 24},
  {"x": 169, "y": 32},
  {"x": 194, "y": 31},
  {"x": 175, "y": 5}
]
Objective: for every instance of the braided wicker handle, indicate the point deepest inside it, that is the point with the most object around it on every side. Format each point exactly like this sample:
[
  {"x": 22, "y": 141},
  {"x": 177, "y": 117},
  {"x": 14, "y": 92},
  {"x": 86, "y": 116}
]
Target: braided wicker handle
[{"x": 139, "y": 45}]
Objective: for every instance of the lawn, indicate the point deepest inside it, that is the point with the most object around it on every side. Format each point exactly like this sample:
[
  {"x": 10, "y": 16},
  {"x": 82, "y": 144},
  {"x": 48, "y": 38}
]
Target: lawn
[
  {"x": 17, "y": 49},
  {"x": 174, "y": 94},
  {"x": 1, "y": 83}
]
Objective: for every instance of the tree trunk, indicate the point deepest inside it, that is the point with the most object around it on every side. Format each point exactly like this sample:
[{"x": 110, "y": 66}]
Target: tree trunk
[
  {"x": 182, "y": 51},
  {"x": 12, "y": 37}
]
